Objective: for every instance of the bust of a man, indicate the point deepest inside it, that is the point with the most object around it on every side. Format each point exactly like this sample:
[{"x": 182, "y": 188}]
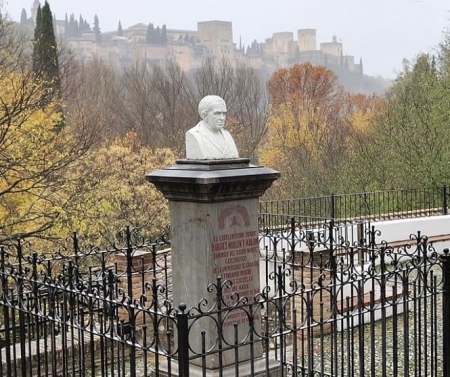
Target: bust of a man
[{"x": 208, "y": 140}]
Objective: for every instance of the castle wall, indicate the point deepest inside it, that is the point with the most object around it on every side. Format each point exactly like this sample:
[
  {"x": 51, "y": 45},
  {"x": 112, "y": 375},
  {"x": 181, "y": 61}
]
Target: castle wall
[
  {"x": 306, "y": 39},
  {"x": 349, "y": 62},
  {"x": 182, "y": 53},
  {"x": 315, "y": 56},
  {"x": 214, "y": 39},
  {"x": 332, "y": 48}
]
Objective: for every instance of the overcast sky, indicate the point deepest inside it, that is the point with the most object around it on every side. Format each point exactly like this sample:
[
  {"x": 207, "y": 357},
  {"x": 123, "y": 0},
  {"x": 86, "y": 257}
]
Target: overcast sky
[{"x": 381, "y": 32}]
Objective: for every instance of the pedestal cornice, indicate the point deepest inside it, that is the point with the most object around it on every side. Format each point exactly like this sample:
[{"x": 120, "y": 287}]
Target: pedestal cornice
[{"x": 213, "y": 180}]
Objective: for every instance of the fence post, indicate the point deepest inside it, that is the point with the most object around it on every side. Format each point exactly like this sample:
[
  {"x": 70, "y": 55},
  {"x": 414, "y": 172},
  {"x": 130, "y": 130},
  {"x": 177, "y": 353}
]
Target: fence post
[
  {"x": 446, "y": 313},
  {"x": 130, "y": 307},
  {"x": 6, "y": 322},
  {"x": 333, "y": 207},
  {"x": 444, "y": 200},
  {"x": 183, "y": 342},
  {"x": 20, "y": 297}
]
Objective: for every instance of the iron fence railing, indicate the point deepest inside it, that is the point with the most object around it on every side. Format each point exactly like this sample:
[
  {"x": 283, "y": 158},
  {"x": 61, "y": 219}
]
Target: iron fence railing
[
  {"x": 376, "y": 205},
  {"x": 326, "y": 307}
]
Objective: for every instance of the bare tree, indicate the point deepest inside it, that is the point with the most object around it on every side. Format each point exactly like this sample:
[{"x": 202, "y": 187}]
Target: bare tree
[
  {"x": 215, "y": 78},
  {"x": 159, "y": 102},
  {"x": 249, "y": 109},
  {"x": 91, "y": 92},
  {"x": 156, "y": 102},
  {"x": 244, "y": 92},
  {"x": 174, "y": 105},
  {"x": 133, "y": 104}
]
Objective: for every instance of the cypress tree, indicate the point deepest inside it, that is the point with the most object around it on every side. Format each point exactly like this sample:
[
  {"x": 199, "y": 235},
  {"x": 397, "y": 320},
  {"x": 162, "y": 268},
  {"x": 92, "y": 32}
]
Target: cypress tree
[
  {"x": 66, "y": 27},
  {"x": 76, "y": 28},
  {"x": 71, "y": 31},
  {"x": 98, "y": 34},
  {"x": 23, "y": 17},
  {"x": 150, "y": 31},
  {"x": 119, "y": 30},
  {"x": 45, "y": 57},
  {"x": 157, "y": 37},
  {"x": 164, "y": 34},
  {"x": 37, "y": 60}
]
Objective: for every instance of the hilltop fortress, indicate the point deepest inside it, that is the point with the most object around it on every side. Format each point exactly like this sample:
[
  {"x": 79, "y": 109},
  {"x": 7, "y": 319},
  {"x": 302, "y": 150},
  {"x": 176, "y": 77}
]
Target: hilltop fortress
[{"x": 212, "y": 39}]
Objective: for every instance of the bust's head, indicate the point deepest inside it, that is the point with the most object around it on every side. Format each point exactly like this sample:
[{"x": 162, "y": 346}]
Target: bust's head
[{"x": 213, "y": 111}]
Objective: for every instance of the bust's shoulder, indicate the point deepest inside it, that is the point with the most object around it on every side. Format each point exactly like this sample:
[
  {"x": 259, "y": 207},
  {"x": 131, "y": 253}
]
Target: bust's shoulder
[
  {"x": 194, "y": 144},
  {"x": 193, "y": 135},
  {"x": 194, "y": 129}
]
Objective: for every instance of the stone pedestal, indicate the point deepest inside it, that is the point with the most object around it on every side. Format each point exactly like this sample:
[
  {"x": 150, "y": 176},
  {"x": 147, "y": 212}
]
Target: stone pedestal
[
  {"x": 261, "y": 368},
  {"x": 214, "y": 231}
]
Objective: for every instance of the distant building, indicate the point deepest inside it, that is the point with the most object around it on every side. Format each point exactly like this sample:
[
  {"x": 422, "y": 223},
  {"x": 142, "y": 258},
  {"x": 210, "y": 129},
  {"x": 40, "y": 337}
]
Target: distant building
[
  {"x": 213, "y": 40},
  {"x": 217, "y": 37},
  {"x": 34, "y": 10},
  {"x": 306, "y": 40}
]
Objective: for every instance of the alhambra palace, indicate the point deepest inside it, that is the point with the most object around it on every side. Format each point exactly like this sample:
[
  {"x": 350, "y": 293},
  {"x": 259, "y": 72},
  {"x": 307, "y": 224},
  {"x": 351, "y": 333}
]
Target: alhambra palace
[{"x": 212, "y": 39}]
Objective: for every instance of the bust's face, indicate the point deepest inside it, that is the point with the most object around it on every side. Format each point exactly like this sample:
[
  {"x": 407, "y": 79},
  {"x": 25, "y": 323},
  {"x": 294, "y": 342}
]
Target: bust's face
[{"x": 215, "y": 117}]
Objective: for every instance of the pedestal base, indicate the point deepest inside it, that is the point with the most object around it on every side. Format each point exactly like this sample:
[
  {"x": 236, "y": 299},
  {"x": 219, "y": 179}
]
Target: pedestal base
[
  {"x": 214, "y": 231},
  {"x": 260, "y": 368}
]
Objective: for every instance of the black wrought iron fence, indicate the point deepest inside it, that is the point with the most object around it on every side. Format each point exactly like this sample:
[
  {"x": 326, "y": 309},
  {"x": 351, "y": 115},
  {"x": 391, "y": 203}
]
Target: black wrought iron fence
[
  {"x": 376, "y": 205},
  {"x": 327, "y": 307}
]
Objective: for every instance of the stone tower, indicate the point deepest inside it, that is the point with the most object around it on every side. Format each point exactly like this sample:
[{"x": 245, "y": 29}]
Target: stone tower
[
  {"x": 306, "y": 40},
  {"x": 217, "y": 37},
  {"x": 34, "y": 9},
  {"x": 332, "y": 48},
  {"x": 282, "y": 42},
  {"x": 283, "y": 47}
]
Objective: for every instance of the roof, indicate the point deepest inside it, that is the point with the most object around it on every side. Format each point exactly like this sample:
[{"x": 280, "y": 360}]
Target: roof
[{"x": 138, "y": 26}]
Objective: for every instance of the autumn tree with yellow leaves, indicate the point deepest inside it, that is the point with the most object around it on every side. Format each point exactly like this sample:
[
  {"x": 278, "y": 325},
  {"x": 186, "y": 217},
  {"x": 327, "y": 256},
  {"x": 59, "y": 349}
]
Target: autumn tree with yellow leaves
[
  {"x": 55, "y": 180},
  {"x": 114, "y": 194},
  {"x": 35, "y": 155},
  {"x": 306, "y": 131},
  {"x": 313, "y": 131}
]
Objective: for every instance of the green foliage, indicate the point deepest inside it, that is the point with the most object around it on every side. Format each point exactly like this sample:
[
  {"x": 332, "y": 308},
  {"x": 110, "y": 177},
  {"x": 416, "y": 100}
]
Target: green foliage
[
  {"x": 150, "y": 31},
  {"x": 37, "y": 36},
  {"x": 156, "y": 36},
  {"x": 113, "y": 192},
  {"x": 97, "y": 32},
  {"x": 23, "y": 18},
  {"x": 163, "y": 38},
  {"x": 45, "y": 56},
  {"x": 74, "y": 28},
  {"x": 401, "y": 140},
  {"x": 412, "y": 131}
]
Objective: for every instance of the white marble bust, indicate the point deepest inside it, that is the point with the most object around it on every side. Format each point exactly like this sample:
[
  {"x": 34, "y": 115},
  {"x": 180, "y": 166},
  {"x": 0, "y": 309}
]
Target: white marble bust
[{"x": 208, "y": 140}]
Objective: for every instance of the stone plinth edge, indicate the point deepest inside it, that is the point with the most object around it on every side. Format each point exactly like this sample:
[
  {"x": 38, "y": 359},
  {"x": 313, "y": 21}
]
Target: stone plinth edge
[
  {"x": 262, "y": 366},
  {"x": 213, "y": 180}
]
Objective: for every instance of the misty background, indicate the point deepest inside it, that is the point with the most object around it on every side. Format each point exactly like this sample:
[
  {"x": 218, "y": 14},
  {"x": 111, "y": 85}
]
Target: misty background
[{"x": 381, "y": 32}]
